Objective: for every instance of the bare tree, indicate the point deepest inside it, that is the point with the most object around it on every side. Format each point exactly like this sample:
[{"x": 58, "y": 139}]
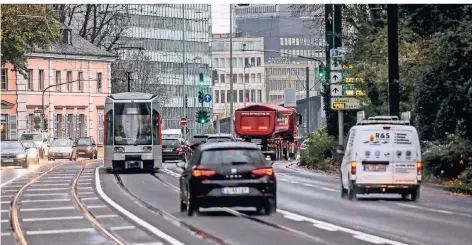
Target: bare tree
[{"x": 104, "y": 25}]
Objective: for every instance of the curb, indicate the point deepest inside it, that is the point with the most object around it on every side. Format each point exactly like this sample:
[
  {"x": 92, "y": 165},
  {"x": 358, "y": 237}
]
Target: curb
[{"x": 452, "y": 189}]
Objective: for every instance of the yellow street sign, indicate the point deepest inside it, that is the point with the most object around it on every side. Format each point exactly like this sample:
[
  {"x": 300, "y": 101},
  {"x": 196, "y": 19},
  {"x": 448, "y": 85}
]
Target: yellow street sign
[
  {"x": 353, "y": 80},
  {"x": 339, "y": 105}
]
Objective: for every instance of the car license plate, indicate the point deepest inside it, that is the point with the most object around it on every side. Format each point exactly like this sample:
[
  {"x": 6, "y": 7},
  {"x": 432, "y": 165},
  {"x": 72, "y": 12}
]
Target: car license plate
[
  {"x": 167, "y": 150},
  {"x": 375, "y": 167},
  {"x": 59, "y": 154},
  {"x": 136, "y": 164},
  {"x": 235, "y": 190},
  {"x": 7, "y": 160}
]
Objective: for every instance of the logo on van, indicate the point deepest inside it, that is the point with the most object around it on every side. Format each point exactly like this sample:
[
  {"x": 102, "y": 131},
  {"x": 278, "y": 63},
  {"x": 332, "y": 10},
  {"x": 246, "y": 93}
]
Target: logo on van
[{"x": 378, "y": 138}]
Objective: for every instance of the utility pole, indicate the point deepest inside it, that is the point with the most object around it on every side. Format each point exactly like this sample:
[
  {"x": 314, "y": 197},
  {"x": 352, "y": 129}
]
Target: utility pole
[
  {"x": 184, "y": 108},
  {"x": 393, "y": 71},
  {"x": 129, "y": 80},
  {"x": 307, "y": 88},
  {"x": 337, "y": 30},
  {"x": 231, "y": 115}
]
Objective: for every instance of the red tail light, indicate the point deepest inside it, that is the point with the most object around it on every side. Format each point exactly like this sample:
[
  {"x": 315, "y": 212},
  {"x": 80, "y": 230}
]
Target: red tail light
[
  {"x": 179, "y": 149},
  {"x": 386, "y": 127},
  {"x": 353, "y": 168},
  {"x": 119, "y": 149},
  {"x": 203, "y": 172},
  {"x": 263, "y": 171},
  {"x": 419, "y": 168}
]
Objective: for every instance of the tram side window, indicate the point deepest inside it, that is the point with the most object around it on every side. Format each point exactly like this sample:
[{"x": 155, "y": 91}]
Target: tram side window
[
  {"x": 109, "y": 128},
  {"x": 155, "y": 125}
]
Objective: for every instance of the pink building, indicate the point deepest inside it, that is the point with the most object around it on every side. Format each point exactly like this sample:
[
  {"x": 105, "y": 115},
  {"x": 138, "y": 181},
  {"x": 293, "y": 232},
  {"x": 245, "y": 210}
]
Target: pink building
[{"x": 74, "y": 108}]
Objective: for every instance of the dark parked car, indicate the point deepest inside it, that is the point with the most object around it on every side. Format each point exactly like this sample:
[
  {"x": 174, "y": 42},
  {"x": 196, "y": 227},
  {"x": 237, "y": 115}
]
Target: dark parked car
[
  {"x": 220, "y": 138},
  {"x": 13, "y": 154},
  {"x": 86, "y": 147},
  {"x": 229, "y": 174},
  {"x": 173, "y": 150},
  {"x": 198, "y": 139}
]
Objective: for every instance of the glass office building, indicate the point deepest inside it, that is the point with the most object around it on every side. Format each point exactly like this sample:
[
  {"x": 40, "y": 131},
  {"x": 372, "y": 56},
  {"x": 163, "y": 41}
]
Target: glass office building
[{"x": 177, "y": 40}]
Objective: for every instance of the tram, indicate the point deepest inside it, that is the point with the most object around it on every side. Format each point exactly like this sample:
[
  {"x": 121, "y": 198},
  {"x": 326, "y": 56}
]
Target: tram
[{"x": 132, "y": 132}]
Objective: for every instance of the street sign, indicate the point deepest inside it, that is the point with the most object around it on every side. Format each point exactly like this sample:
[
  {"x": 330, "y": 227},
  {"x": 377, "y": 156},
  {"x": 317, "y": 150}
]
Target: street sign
[
  {"x": 207, "y": 98},
  {"x": 336, "y": 64},
  {"x": 336, "y": 90},
  {"x": 352, "y": 90},
  {"x": 345, "y": 103},
  {"x": 337, "y": 52},
  {"x": 336, "y": 77},
  {"x": 183, "y": 121}
]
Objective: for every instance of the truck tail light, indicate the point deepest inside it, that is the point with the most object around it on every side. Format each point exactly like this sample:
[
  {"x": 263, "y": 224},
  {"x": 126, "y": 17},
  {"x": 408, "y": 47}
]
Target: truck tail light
[
  {"x": 419, "y": 168},
  {"x": 263, "y": 171},
  {"x": 203, "y": 172},
  {"x": 353, "y": 168}
]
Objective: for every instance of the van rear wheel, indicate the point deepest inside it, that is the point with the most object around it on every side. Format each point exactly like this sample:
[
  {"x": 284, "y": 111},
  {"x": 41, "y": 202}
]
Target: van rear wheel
[
  {"x": 352, "y": 194},
  {"x": 415, "y": 195}
]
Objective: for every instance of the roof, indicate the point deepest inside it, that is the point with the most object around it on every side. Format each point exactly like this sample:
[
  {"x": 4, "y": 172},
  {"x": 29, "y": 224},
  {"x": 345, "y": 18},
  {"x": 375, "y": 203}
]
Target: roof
[
  {"x": 264, "y": 107},
  {"x": 80, "y": 46},
  {"x": 228, "y": 145},
  {"x": 131, "y": 96}
]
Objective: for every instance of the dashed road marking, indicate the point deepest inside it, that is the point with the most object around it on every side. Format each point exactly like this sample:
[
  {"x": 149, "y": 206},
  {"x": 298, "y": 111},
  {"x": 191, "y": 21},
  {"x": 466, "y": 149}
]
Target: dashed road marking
[
  {"x": 52, "y": 218},
  {"x": 6, "y": 202},
  {"x": 325, "y": 227},
  {"x": 47, "y": 209},
  {"x": 106, "y": 216},
  {"x": 430, "y": 209},
  {"x": 120, "y": 228},
  {"x": 46, "y": 194},
  {"x": 57, "y": 177},
  {"x": 46, "y": 232},
  {"x": 47, "y": 189},
  {"x": 45, "y": 200},
  {"x": 86, "y": 193},
  {"x": 39, "y": 185},
  {"x": 4, "y": 221},
  {"x": 4, "y": 211},
  {"x": 151, "y": 243},
  {"x": 369, "y": 239},
  {"x": 84, "y": 188},
  {"x": 293, "y": 218},
  {"x": 5, "y": 234},
  {"x": 96, "y": 206},
  {"x": 89, "y": 198}
]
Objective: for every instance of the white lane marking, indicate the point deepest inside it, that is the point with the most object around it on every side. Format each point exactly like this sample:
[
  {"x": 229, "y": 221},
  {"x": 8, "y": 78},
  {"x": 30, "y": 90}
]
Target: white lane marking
[
  {"x": 84, "y": 183},
  {"x": 4, "y": 211},
  {"x": 45, "y": 232},
  {"x": 430, "y": 209},
  {"x": 89, "y": 198},
  {"x": 306, "y": 184},
  {"x": 53, "y": 218},
  {"x": 7, "y": 195},
  {"x": 47, "y": 209},
  {"x": 343, "y": 229},
  {"x": 54, "y": 181},
  {"x": 5, "y": 234},
  {"x": 14, "y": 186},
  {"x": 86, "y": 193},
  {"x": 46, "y": 194},
  {"x": 47, "y": 189},
  {"x": 9, "y": 181},
  {"x": 293, "y": 218},
  {"x": 96, "y": 206},
  {"x": 40, "y": 185},
  {"x": 106, "y": 216},
  {"x": 5, "y": 221},
  {"x": 125, "y": 212},
  {"x": 63, "y": 175},
  {"x": 6, "y": 202},
  {"x": 45, "y": 200},
  {"x": 328, "y": 189},
  {"x": 150, "y": 243},
  {"x": 3, "y": 190},
  {"x": 69, "y": 178},
  {"x": 84, "y": 188},
  {"x": 325, "y": 227},
  {"x": 120, "y": 228},
  {"x": 369, "y": 239}
]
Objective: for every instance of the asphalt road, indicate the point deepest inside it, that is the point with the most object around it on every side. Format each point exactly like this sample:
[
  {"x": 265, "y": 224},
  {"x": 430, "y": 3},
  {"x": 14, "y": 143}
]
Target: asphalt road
[{"x": 143, "y": 209}]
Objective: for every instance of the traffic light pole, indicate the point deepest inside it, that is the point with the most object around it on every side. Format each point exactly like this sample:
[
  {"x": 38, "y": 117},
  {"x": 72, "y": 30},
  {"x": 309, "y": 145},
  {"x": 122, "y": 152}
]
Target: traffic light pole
[
  {"x": 231, "y": 115},
  {"x": 184, "y": 108}
]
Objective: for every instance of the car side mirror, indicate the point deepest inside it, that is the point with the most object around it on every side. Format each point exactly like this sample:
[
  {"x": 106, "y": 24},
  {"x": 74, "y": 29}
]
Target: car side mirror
[{"x": 181, "y": 165}]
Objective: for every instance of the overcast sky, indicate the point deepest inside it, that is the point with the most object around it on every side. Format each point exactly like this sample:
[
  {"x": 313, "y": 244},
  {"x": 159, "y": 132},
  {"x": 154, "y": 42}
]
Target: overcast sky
[{"x": 220, "y": 18}]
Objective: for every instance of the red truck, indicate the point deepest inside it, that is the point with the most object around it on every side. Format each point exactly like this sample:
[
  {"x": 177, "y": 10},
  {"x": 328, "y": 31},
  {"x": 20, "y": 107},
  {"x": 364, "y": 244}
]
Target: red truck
[{"x": 273, "y": 127}]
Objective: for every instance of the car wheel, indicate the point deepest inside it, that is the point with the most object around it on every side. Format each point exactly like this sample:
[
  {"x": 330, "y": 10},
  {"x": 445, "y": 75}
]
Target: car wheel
[
  {"x": 183, "y": 206},
  {"x": 26, "y": 165},
  {"x": 91, "y": 156},
  {"x": 352, "y": 193},
  {"x": 267, "y": 208},
  {"x": 415, "y": 195},
  {"x": 96, "y": 155},
  {"x": 344, "y": 191},
  {"x": 190, "y": 207}
]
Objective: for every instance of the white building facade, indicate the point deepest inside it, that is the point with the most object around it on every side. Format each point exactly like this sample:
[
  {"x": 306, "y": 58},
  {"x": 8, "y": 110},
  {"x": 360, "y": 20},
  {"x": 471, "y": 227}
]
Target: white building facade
[{"x": 248, "y": 73}]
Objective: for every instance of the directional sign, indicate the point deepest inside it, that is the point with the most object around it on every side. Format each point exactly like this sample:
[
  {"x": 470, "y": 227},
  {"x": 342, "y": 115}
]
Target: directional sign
[
  {"x": 352, "y": 90},
  {"x": 207, "y": 98},
  {"x": 183, "y": 121},
  {"x": 345, "y": 103},
  {"x": 337, "y": 52},
  {"x": 336, "y": 77},
  {"x": 336, "y": 90},
  {"x": 336, "y": 64}
]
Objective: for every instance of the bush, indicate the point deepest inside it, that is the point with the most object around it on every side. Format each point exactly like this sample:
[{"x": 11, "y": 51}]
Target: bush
[{"x": 319, "y": 152}]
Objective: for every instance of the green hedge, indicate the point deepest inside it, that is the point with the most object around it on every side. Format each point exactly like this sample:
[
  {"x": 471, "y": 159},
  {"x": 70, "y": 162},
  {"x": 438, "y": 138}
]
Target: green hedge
[{"x": 319, "y": 152}]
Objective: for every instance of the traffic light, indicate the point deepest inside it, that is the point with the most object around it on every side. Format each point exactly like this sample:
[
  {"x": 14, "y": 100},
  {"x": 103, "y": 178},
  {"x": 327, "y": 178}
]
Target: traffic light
[
  {"x": 203, "y": 117},
  {"x": 186, "y": 101},
  {"x": 321, "y": 72},
  {"x": 200, "y": 97},
  {"x": 201, "y": 78}
]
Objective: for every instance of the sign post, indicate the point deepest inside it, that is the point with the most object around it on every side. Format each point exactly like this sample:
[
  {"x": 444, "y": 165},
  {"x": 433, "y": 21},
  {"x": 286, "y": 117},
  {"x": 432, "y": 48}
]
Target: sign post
[{"x": 183, "y": 122}]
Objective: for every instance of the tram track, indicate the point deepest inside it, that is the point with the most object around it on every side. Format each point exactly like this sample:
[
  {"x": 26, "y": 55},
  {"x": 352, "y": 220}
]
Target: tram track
[{"x": 23, "y": 228}]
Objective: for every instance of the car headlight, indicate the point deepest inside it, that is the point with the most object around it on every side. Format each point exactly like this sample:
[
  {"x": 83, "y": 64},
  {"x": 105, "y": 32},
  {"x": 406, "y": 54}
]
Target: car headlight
[{"x": 21, "y": 156}]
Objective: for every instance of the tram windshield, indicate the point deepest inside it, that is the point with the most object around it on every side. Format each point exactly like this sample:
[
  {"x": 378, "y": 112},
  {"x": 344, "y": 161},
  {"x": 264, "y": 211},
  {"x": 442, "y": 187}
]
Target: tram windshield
[{"x": 132, "y": 124}]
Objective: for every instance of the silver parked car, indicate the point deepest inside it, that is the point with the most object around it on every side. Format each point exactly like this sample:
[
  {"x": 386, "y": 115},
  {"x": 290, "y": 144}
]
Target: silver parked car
[{"x": 62, "y": 148}]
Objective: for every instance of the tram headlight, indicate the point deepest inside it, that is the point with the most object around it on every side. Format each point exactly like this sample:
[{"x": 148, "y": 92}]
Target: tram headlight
[
  {"x": 119, "y": 149},
  {"x": 147, "y": 149}
]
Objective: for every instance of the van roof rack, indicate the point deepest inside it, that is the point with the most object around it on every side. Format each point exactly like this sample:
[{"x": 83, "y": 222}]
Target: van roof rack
[{"x": 403, "y": 120}]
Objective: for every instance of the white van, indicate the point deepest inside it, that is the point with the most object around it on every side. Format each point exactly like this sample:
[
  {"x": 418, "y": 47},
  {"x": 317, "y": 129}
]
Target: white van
[{"x": 383, "y": 155}]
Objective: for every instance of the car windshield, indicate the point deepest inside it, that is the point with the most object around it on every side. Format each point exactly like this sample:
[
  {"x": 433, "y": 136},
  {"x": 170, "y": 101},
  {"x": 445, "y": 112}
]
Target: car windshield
[
  {"x": 61, "y": 143},
  {"x": 218, "y": 139},
  {"x": 29, "y": 144},
  {"x": 11, "y": 146},
  {"x": 84, "y": 141},
  {"x": 132, "y": 124},
  {"x": 33, "y": 137},
  {"x": 171, "y": 142},
  {"x": 232, "y": 157}
]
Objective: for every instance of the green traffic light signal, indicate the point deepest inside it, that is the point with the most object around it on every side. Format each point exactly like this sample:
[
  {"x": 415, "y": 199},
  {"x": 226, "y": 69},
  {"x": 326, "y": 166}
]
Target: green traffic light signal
[
  {"x": 321, "y": 72},
  {"x": 201, "y": 78}
]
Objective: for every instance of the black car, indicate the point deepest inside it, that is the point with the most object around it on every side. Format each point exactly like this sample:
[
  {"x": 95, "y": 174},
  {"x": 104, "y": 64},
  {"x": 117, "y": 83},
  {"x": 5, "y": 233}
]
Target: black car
[
  {"x": 220, "y": 138},
  {"x": 173, "y": 150},
  {"x": 229, "y": 174},
  {"x": 13, "y": 154},
  {"x": 198, "y": 139}
]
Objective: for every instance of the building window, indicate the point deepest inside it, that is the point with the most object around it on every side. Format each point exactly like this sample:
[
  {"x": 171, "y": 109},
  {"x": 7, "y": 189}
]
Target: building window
[
  {"x": 41, "y": 80},
  {"x": 100, "y": 129},
  {"x": 217, "y": 96},
  {"x": 30, "y": 80},
  {"x": 241, "y": 96},
  {"x": 259, "y": 62},
  {"x": 69, "y": 81},
  {"x": 259, "y": 78},
  {"x": 58, "y": 81},
  {"x": 259, "y": 96},
  {"x": 253, "y": 78},
  {"x": 246, "y": 78},
  {"x": 80, "y": 79},
  {"x": 222, "y": 78},
  {"x": 246, "y": 96},
  {"x": 235, "y": 96},
  {"x": 4, "y": 84},
  {"x": 253, "y": 96},
  {"x": 223, "y": 96},
  {"x": 99, "y": 82}
]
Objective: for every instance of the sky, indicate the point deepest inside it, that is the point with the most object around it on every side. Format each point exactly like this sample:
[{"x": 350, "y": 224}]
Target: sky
[{"x": 220, "y": 18}]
